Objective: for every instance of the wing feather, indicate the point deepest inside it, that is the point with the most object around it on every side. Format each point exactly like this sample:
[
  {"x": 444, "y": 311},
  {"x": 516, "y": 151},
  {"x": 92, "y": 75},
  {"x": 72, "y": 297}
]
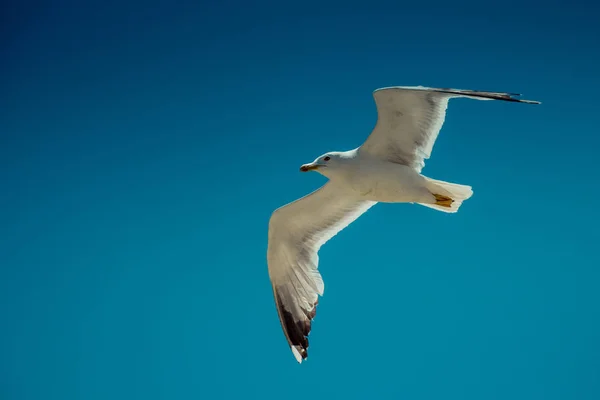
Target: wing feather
[
  {"x": 409, "y": 120},
  {"x": 296, "y": 233}
]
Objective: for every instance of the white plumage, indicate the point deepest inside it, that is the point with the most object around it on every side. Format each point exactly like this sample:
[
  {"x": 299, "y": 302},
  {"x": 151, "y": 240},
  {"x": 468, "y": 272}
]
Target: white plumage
[{"x": 386, "y": 168}]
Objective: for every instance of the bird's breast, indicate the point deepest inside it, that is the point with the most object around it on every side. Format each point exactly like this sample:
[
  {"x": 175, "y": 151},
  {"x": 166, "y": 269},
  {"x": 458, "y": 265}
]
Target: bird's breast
[
  {"x": 366, "y": 181},
  {"x": 391, "y": 183}
]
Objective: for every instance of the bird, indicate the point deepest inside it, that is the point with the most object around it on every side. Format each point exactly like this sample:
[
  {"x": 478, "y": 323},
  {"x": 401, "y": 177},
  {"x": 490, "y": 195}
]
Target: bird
[{"x": 386, "y": 168}]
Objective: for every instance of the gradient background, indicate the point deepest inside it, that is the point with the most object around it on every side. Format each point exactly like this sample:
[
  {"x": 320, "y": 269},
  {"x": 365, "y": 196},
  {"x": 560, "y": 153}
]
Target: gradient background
[{"x": 144, "y": 146}]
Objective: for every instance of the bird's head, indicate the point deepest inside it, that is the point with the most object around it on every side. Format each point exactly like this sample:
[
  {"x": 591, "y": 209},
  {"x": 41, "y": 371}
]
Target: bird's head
[{"x": 325, "y": 164}]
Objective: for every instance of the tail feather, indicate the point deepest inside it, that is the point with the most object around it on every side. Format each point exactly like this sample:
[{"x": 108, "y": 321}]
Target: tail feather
[{"x": 457, "y": 193}]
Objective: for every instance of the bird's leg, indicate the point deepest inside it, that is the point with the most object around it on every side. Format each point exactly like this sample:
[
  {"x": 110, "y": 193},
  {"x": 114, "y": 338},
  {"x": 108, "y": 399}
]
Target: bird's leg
[{"x": 443, "y": 200}]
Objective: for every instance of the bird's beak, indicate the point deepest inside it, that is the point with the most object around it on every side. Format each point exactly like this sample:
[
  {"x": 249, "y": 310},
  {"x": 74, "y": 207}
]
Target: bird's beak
[{"x": 309, "y": 167}]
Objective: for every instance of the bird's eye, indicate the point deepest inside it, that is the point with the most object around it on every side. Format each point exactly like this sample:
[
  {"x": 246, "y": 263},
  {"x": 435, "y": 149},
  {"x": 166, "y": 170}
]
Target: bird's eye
[{"x": 327, "y": 158}]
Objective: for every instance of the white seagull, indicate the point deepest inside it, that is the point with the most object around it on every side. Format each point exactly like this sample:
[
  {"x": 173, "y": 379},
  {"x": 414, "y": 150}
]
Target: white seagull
[{"x": 386, "y": 168}]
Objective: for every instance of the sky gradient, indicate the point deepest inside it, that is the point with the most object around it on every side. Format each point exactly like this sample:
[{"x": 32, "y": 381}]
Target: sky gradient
[{"x": 144, "y": 145}]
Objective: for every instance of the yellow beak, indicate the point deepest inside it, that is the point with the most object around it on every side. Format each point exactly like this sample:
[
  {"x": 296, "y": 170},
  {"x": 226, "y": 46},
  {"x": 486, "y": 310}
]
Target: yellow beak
[{"x": 309, "y": 167}]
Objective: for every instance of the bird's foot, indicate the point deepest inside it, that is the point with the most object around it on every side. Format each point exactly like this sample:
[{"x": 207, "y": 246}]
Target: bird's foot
[{"x": 443, "y": 200}]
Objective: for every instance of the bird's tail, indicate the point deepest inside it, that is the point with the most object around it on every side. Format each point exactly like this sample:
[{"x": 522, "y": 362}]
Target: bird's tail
[{"x": 448, "y": 197}]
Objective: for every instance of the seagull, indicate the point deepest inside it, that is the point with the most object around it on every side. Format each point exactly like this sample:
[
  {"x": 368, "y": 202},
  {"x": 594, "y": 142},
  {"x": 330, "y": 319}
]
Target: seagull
[{"x": 386, "y": 168}]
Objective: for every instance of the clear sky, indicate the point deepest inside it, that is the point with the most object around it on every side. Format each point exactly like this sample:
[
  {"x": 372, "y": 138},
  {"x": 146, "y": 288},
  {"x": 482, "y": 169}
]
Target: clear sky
[{"x": 144, "y": 145}]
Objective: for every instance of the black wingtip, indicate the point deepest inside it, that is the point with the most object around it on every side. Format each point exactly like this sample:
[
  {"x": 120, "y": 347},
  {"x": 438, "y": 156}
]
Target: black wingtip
[
  {"x": 490, "y": 95},
  {"x": 482, "y": 94},
  {"x": 296, "y": 331}
]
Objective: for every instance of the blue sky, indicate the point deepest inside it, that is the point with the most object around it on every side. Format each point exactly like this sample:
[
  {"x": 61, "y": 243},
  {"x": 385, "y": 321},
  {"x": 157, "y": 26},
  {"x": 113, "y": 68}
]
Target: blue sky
[{"x": 144, "y": 145}]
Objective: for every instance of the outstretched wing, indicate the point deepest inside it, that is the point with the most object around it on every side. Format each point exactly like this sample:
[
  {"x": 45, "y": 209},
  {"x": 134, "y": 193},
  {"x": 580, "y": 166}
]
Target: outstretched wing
[
  {"x": 410, "y": 118},
  {"x": 296, "y": 232}
]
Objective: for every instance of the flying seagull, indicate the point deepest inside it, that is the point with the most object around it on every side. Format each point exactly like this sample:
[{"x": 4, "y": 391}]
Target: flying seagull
[{"x": 386, "y": 168}]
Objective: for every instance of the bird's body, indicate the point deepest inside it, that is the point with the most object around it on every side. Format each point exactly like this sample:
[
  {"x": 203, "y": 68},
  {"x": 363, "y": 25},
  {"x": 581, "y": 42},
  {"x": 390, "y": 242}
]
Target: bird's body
[
  {"x": 370, "y": 178},
  {"x": 385, "y": 169},
  {"x": 386, "y": 182}
]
